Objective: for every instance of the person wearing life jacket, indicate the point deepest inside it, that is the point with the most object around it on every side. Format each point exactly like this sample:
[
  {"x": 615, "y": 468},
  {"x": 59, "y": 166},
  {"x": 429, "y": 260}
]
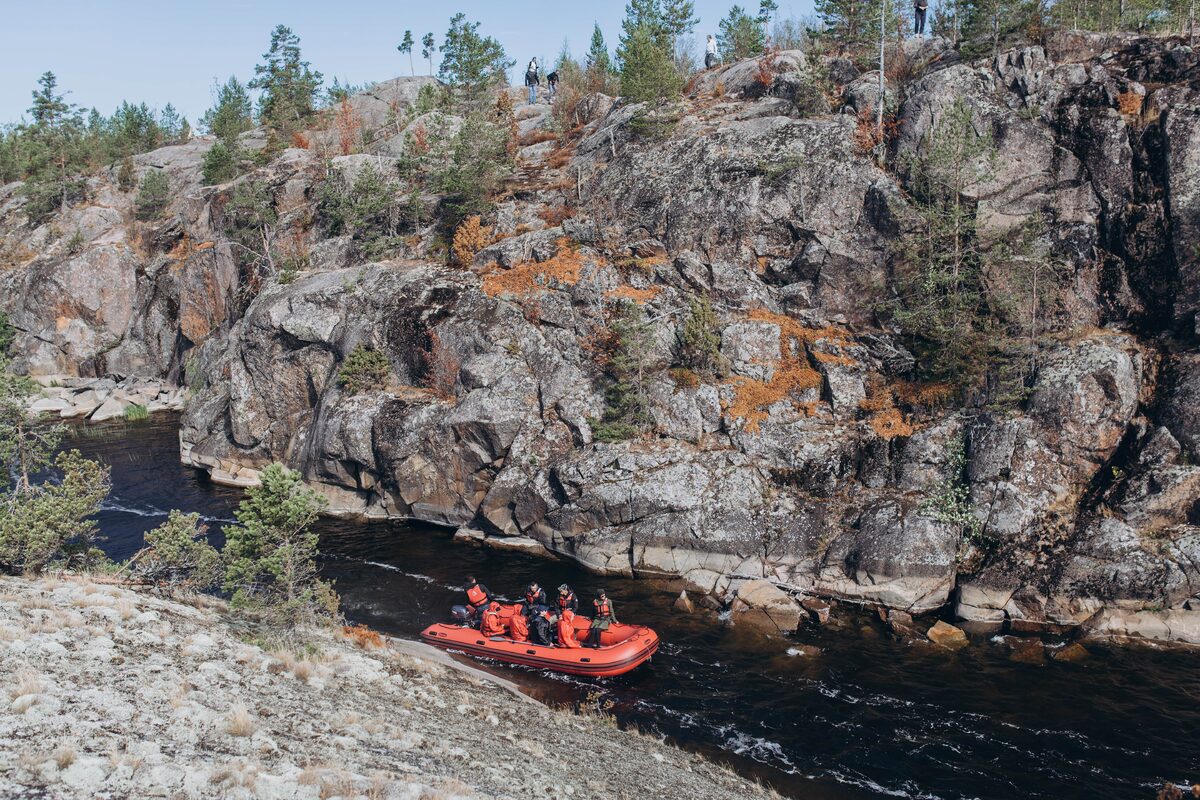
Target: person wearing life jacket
[
  {"x": 491, "y": 624},
  {"x": 566, "y": 630},
  {"x": 541, "y": 630},
  {"x": 535, "y": 599},
  {"x": 604, "y": 616},
  {"x": 566, "y": 599},
  {"x": 518, "y": 628},
  {"x": 478, "y": 596}
]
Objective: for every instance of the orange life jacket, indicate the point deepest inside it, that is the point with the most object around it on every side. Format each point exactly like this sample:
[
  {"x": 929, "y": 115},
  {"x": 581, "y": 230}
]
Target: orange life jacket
[
  {"x": 566, "y": 631},
  {"x": 492, "y": 624},
  {"x": 518, "y": 628},
  {"x": 476, "y": 595},
  {"x": 603, "y": 609}
]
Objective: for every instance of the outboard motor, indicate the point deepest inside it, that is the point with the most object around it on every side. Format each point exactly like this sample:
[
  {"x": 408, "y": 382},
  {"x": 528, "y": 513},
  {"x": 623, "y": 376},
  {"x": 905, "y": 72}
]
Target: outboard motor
[{"x": 460, "y": 614}]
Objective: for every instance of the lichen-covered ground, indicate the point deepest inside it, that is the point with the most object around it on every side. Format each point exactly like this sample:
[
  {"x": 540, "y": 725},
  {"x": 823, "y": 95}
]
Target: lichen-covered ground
[{"x": 110, "y": 693}]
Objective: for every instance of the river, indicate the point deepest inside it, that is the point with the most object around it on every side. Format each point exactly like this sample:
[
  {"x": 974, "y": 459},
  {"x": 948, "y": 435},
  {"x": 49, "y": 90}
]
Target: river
[{"x": 869, "y": 717}]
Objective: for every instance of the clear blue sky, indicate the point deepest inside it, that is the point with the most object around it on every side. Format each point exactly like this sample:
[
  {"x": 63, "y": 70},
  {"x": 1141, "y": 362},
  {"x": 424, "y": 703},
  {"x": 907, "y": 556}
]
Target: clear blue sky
[{"x": 106, "y": 51}]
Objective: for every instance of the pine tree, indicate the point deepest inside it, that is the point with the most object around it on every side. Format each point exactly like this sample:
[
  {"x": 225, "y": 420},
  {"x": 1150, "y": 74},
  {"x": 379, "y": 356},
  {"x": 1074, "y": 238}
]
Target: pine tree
[
  {"x": 271, "y": 553},
  {"x": 648, "y": 71},
  {"x": 428, "y": 49},
  {"x": 850, "y": 23},
  {"x": 55, "y": 154},
  {"x": 740, "y": 36},
  {"x": 598, "y": 59},
  {"x": 289, "y": 86},
  {"x": 470, "y": 62},
  {"x": 232, "y": 113},
  {"x": 153, "y": 195},
  {"x": 406, "y": 46}
]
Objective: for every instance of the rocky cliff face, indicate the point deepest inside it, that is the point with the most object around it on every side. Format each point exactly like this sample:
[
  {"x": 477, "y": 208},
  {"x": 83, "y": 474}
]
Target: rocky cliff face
[{"x": 813, "y": 464}]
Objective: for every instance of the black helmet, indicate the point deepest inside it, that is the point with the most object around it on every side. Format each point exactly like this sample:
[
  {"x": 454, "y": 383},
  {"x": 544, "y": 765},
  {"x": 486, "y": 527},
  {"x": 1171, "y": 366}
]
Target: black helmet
[{"x": 600, "y": 593}]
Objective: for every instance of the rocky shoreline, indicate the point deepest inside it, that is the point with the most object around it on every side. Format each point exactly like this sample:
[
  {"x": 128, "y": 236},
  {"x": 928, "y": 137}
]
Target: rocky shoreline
[
  {"x": 104, "y": 399},
  {"x": 111, "y": 692}
]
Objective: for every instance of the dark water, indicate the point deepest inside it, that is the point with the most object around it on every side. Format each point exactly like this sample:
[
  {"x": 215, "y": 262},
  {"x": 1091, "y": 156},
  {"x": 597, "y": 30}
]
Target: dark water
[{"x": 869, "y": 717}]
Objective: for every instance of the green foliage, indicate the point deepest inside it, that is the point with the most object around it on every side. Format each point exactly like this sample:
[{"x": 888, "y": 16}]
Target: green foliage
[
  {"x": 76, "y": 243},
  {"x": 599, "y": 63},
  {"x": 53, "y": 521},
  {"x": 136, "y": 412},
  {"x": 152, "y": 195},
  {"x": 850, "y": 23},
  {"x": 699, "y": 340},
  {"x": 987, "y": 25},
  {"x": 406, "y": 46},
  {"x": 951, "y": 501},
  {"x": 289, "y": 87},
  {"x": 740, "y": 35},
  {"x": 270, "y": 555},
  {"x": 25, "y": 445},
  {"x": 222, "y": 163},
  {"x": 471, "y": 63},
  {"x": 232, "y": 113},
  {"x": 428, "y": 48},
  {"x": 178, "y": 554},
  {"x": 250, "y": 221},
  {"x": 627, "y": 374},
  {"x": 364, "y": 370},
  {"x": 7, "y": 334},
  {"x": 126, "y": 175},
  {"x": 369, "y": 209},
  {"x": 648, "y": 73},
  {"x": 938, "y": 279},
  {"x": 478, "y": 159}
]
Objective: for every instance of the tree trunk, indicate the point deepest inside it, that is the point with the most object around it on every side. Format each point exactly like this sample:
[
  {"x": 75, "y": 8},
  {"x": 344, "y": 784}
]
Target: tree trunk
[{"x": 882, "y": 88}]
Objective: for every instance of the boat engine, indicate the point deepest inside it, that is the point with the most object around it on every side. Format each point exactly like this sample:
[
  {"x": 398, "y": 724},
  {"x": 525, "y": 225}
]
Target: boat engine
[{"x": 460, "y": 614}]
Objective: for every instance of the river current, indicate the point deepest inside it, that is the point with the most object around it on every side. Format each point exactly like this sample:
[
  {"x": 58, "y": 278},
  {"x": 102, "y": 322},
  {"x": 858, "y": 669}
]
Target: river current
[{"x": 869, "y": 716}]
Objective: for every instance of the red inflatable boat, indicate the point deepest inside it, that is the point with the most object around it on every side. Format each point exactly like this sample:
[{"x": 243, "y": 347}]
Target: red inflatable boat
[{"x": 622, "y": 648}]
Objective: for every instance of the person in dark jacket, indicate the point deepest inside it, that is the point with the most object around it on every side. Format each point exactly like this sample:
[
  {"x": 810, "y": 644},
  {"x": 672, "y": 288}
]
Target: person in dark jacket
[
  {"x": 919, "y": 9},
  {"x": 541, "y": 628},
  {"x": 552, "y": 83},
  {"x": 535, "y": 599},
  {"x": 532, "y": 79},
  {"x": 566, "y": 599}
]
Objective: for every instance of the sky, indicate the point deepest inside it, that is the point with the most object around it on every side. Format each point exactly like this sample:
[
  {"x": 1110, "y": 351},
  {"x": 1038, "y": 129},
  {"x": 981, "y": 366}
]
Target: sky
[{"x": 167, "y": 51}]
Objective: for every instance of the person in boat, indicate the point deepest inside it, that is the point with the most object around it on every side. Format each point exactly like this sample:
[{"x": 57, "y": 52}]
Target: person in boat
[
  {"x": 604, "y": 616},
  {"x": 491, "y": 623},
  {"x": 541, "y": 629},
  {"x": 535, "y": 599},
  {"x": 518, "y": 628},
  {"x": 566, "y": 630},
  {"x": 566, "y": 599},
  {"x": 478, "y": 597}
]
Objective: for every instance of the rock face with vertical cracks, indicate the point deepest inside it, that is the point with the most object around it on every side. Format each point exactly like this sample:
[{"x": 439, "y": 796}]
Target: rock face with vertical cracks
[{"x": 809, "y": 459}]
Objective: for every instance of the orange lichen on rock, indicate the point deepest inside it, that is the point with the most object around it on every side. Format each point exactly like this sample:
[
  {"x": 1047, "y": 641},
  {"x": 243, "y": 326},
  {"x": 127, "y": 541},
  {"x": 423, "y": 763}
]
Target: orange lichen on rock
[
  {"x": 532, "y": 277},
  {"x": 639, "y": 296}
]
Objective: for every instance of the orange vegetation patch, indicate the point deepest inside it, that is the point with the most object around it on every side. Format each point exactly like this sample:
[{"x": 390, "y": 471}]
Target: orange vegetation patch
[
  {"x": 885, "y": 419},
  {"x": 204, "y": 246},
  {"x": 1130, "y": 103},
  {"x": 833, "y": 358},
  {"x": 640, "y": 296},
  {"x": 792, "y": 328},
  {"x": 752, "y": 398},
  {"x": 363, "y": 637},
  {"x": 532, "y": 277},
  {"x": 554, "y": 215},
  {"x": 538, "y": 136},
  {"x": 181, "y": 249},
  {"x": 923, "y": 394}
]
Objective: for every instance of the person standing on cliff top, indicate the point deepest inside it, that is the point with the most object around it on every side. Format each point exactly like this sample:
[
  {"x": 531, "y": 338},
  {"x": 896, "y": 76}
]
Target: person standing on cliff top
[
  {"x": 710, "y": 52},
  {"x": 532, "y": 79},
  {"x": 919, "y": 9}
]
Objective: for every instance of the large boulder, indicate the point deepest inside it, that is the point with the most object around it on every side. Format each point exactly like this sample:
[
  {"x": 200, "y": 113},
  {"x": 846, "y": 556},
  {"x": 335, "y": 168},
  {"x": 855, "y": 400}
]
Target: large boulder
[{"x": 763, "y": 604}]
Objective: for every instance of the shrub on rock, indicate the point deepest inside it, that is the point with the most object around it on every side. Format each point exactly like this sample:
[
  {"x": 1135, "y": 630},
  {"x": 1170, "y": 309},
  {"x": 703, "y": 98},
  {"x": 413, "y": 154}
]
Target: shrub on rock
[{"x": 364, "y": 370}]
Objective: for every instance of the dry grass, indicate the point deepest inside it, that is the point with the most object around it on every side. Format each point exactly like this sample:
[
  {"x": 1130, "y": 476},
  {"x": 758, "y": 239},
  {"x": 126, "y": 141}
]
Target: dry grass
[
  {"x": 240, "y": 722},
  {"x": 554, "y": 216},
  {"x": 304, "y": 669},
  {"x": 537, "y": 136},
  {"x": 923, "y": 394},
  {"x": 64, "y": 756},
  {"x": 887, "y": 421},
  {"x": 235, "y": 774},
  {"x": 449, "y": 789},
  {"x": 126, "y": 608},
  {"x": 533, "y": 277},
  {"x": 639, "y": 296},
  {"x": 26, "y": 682},
  {"x": 1130, "y": 103},
  {"x": 363, "y": 637}
]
